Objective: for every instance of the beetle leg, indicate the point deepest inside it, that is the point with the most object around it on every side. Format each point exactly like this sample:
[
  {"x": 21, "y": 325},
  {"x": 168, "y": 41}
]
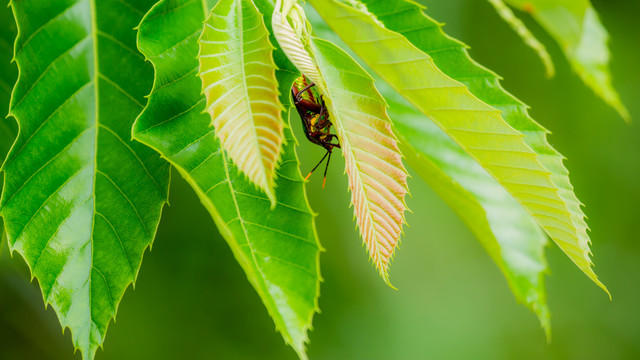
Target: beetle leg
[
  {"x": 324, "y": 179},
  {"x": 331, "y": 137},
  {"x": 315, "y": 167}
]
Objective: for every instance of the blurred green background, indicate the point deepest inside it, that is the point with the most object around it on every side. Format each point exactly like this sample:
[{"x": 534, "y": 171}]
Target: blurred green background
[{"x": 193, "y": 301}]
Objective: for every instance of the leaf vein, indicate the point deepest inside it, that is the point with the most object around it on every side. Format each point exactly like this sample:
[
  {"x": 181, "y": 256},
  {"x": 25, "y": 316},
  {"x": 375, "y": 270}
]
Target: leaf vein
[{"x": 135, "y": 209}]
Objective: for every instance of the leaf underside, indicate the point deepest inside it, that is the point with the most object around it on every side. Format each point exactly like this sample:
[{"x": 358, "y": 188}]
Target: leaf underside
[
  {"x": 575, "y": 25},
  {"x": 238, "y": 80},
  {"x": 373, "y": 162},
  {"x": 277, "y": 248},
  {"x": 290, "y": 42},
  {"x": 514, "y": 152},
  {"x": 81, "y": 201}
]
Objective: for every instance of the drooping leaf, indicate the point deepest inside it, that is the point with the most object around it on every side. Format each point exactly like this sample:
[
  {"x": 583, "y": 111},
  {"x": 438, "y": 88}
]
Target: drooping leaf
[
  {"x": 575, "y": 25},
  {"x": 507, "y": 232},
  {"x": 239, "y": 82},
  {"x": 81, "y": 201},
  {"x": 514, "y": 152},
  {"x": 277, "y": 248},
  {"x": 377, "y": 178},
  {"x": 521, "y": 29}
]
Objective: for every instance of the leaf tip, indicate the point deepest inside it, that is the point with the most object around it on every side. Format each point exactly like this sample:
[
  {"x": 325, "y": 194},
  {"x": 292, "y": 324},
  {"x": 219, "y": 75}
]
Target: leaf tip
[
  {"x": 592, "y": 275},
  {"x": 603, "y": 287},
  {"x": 271, "y": 195},
  {"x": 384, "y": 273},
  {"x": 547, "y": 332},
  {"x": 550, "y": 70},
  {"x": 623, "y": 112}
]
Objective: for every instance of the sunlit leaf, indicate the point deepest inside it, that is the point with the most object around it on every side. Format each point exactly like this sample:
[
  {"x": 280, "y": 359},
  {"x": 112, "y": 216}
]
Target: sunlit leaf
[
  {"x": 537, "y": 179},
  {"x": 521, "y": 29},
  {"x": 277, "y": 248},
  {"x": 377, "y": 178},
  {"x": 507, "y": 232},
  {"x": 575, "y": 25},
  {"x": 81, "y": 201},
  {"x": 239, "y": 82}
]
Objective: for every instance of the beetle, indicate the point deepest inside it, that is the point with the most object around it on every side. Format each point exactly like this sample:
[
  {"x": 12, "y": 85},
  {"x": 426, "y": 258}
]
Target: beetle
[{"x": 315, "y": 119}]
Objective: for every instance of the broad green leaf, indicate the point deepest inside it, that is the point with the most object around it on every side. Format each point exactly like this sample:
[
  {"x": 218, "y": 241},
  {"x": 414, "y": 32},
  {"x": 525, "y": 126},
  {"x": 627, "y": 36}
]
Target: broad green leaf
[
  {"x": 521, "y": 29},
  {"x": 277, "y": 248},
  {"x": 575, "y": 25},
  {"x": 536, "y": 178},
  {"x": 373, "y": 162},
  {"x": 81, "y": 201},
  {"x": 239, "y": 82}
]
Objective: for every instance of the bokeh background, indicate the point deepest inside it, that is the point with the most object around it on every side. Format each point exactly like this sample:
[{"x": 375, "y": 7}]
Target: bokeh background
[{"x": 193, "y": 301}]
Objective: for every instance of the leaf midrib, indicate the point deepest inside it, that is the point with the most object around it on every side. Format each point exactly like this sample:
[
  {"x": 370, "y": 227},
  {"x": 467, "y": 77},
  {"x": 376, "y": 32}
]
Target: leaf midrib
[
  {"x": 256, "y": 144},
  {"x": 96, "y": 72}
]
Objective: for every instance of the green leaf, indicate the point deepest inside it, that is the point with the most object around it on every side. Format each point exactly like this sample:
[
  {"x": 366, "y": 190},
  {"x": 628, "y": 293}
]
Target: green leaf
[
  {"x": 238, "y": 79},
  {"x": 520, "y": 28},
  {"x": 508, "y": 233},
  {"x": 536, "y": 178},
  {"x": 373, "y": 162},
  {"x": 278, "y": 249},
  {"x": 575, "y": 25},
  {"x": 8, "y": 76},
  {"x": 81, "y": 201}
]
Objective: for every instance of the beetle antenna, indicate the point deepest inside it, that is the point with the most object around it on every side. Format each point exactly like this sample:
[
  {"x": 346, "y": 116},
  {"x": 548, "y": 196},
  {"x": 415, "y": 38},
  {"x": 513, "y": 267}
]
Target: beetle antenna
[
  {"x": 324, "y": 179},
  {"x": 315, "y": 167}
]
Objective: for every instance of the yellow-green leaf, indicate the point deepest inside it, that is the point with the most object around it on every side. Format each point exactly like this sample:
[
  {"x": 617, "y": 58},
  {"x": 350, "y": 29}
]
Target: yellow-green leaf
[
  {"x": 508, "y": 233},
  {"x": 238, "y": 80},
  {"x": 477, "y": 127}
]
